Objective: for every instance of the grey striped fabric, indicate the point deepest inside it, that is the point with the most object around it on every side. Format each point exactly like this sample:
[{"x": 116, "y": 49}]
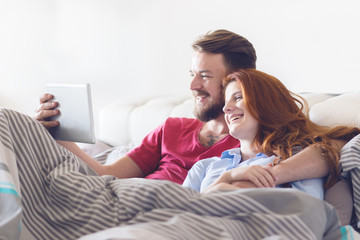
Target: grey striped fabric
[
  {"x": 350, "y": 165},
  {"x": 10, "y": 199},
  {"x": 63, "y": 199}
]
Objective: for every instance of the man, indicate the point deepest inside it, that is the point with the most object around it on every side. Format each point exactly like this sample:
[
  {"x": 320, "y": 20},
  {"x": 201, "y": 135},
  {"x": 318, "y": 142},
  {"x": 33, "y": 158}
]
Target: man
[{"x": 217, "y": 54}]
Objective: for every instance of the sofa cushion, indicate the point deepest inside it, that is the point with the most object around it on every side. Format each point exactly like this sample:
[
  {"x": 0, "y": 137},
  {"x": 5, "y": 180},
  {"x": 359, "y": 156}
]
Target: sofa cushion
[{"x": 339, "y": 110}]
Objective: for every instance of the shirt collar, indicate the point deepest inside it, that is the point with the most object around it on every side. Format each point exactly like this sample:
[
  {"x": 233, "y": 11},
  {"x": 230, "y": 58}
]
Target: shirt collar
[{"x": 233, "y": 154}]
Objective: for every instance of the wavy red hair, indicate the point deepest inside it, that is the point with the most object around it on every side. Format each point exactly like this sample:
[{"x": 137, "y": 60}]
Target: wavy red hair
[{"x": 282, "y": 122}]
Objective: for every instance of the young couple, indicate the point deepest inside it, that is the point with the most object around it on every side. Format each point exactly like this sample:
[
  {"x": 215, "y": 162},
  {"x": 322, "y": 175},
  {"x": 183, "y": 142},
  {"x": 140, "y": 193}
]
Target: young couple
[
  {"x": 170, "y": 150},
  {"x": 270, "y": 128}
]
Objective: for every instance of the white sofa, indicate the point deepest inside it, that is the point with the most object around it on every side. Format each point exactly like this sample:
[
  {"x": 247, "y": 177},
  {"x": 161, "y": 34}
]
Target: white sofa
[{"x": 127, "y": 122}]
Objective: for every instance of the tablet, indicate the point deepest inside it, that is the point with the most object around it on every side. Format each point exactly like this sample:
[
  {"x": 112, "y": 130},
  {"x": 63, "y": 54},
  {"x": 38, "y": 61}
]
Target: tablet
[{"x": 76, "y": 114}]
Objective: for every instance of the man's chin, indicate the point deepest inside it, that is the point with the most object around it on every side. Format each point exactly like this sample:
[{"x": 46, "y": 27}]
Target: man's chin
[
  {"x": 206, "y": 111},
  {"x": 206, "y": 115}
]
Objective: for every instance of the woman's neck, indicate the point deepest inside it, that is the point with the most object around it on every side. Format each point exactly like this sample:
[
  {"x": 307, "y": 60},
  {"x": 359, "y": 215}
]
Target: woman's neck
[{"x": 247, "y": 150}]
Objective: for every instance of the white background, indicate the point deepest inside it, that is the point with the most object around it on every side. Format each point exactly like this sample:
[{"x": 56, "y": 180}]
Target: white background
[{"x": 138, "y": 48}]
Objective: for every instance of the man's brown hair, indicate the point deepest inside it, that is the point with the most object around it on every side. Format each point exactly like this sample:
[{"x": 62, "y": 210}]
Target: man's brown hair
[{"x": 238, "y": 52}]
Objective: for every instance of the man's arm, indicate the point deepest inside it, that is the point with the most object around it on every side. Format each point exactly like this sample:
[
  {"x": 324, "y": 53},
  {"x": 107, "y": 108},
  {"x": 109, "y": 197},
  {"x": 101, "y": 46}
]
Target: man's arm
[
  {"x": 124, "y": 167},
  {"x": 308, "y": 163}
]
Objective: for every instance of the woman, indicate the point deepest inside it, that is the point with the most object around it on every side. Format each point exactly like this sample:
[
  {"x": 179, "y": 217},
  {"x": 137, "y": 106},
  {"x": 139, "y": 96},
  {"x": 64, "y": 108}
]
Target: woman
[{"x": 269, "y": 122}]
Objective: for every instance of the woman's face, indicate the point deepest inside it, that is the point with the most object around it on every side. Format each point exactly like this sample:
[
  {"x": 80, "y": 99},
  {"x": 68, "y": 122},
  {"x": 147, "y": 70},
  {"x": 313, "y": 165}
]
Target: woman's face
[{"x": 242, "y": 125}]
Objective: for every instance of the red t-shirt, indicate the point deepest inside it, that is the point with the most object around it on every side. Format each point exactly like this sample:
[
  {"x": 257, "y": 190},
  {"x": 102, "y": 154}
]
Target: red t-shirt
[{"x": 170, "y": 150}]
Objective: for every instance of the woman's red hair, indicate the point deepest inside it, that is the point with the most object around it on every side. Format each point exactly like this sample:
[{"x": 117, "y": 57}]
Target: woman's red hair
[{"x": 282, "y": 122}]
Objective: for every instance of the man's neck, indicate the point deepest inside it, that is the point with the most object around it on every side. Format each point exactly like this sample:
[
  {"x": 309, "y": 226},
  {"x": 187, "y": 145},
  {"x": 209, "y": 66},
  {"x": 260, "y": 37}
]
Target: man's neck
[{"x": 213, "y": 131}]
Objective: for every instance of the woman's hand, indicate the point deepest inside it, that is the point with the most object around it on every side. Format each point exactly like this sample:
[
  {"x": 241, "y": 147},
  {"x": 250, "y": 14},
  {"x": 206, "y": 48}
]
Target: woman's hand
[{"x": 259, "y": 175}]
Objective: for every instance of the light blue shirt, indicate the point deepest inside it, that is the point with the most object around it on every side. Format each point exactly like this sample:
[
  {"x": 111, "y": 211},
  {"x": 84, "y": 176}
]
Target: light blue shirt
[{"x": 206, "y": 171}]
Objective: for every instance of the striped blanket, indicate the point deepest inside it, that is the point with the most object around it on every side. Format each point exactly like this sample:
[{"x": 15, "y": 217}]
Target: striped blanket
[
  {"x": 61, "y": 198},
  {"x": 350, "y": 168}
]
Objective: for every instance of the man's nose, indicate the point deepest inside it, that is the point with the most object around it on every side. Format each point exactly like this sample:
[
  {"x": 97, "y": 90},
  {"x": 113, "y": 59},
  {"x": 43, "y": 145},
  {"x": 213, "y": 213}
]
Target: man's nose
[{"x": 195, "y": 83}]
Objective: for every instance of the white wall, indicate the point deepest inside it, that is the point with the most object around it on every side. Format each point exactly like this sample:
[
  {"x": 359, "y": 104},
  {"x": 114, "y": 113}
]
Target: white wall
[{"x": 142, "y": 47}]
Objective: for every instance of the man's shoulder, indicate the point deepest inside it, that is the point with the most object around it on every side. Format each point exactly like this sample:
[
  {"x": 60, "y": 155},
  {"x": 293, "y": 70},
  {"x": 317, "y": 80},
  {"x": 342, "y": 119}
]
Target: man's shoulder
[{"x": 181, "y": 121}]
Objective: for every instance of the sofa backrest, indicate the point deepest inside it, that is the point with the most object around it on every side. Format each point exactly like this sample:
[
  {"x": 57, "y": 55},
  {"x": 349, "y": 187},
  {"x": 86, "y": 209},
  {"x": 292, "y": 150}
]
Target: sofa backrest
[{"x": 127, "y": 123}]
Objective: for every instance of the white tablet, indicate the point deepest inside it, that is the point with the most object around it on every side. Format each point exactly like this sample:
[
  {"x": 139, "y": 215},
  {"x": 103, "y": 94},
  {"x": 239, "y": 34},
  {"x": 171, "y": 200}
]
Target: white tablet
[{"x": 76, "y": 114}]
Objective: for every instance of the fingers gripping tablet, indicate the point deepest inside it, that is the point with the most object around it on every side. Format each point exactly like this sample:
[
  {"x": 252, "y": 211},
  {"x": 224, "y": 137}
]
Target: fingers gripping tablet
[{"x": 76, "y": 114}]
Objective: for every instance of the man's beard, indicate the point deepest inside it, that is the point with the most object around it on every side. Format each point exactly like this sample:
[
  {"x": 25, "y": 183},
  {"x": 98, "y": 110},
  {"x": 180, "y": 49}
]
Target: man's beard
[{"x": 210, "y": 112}]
